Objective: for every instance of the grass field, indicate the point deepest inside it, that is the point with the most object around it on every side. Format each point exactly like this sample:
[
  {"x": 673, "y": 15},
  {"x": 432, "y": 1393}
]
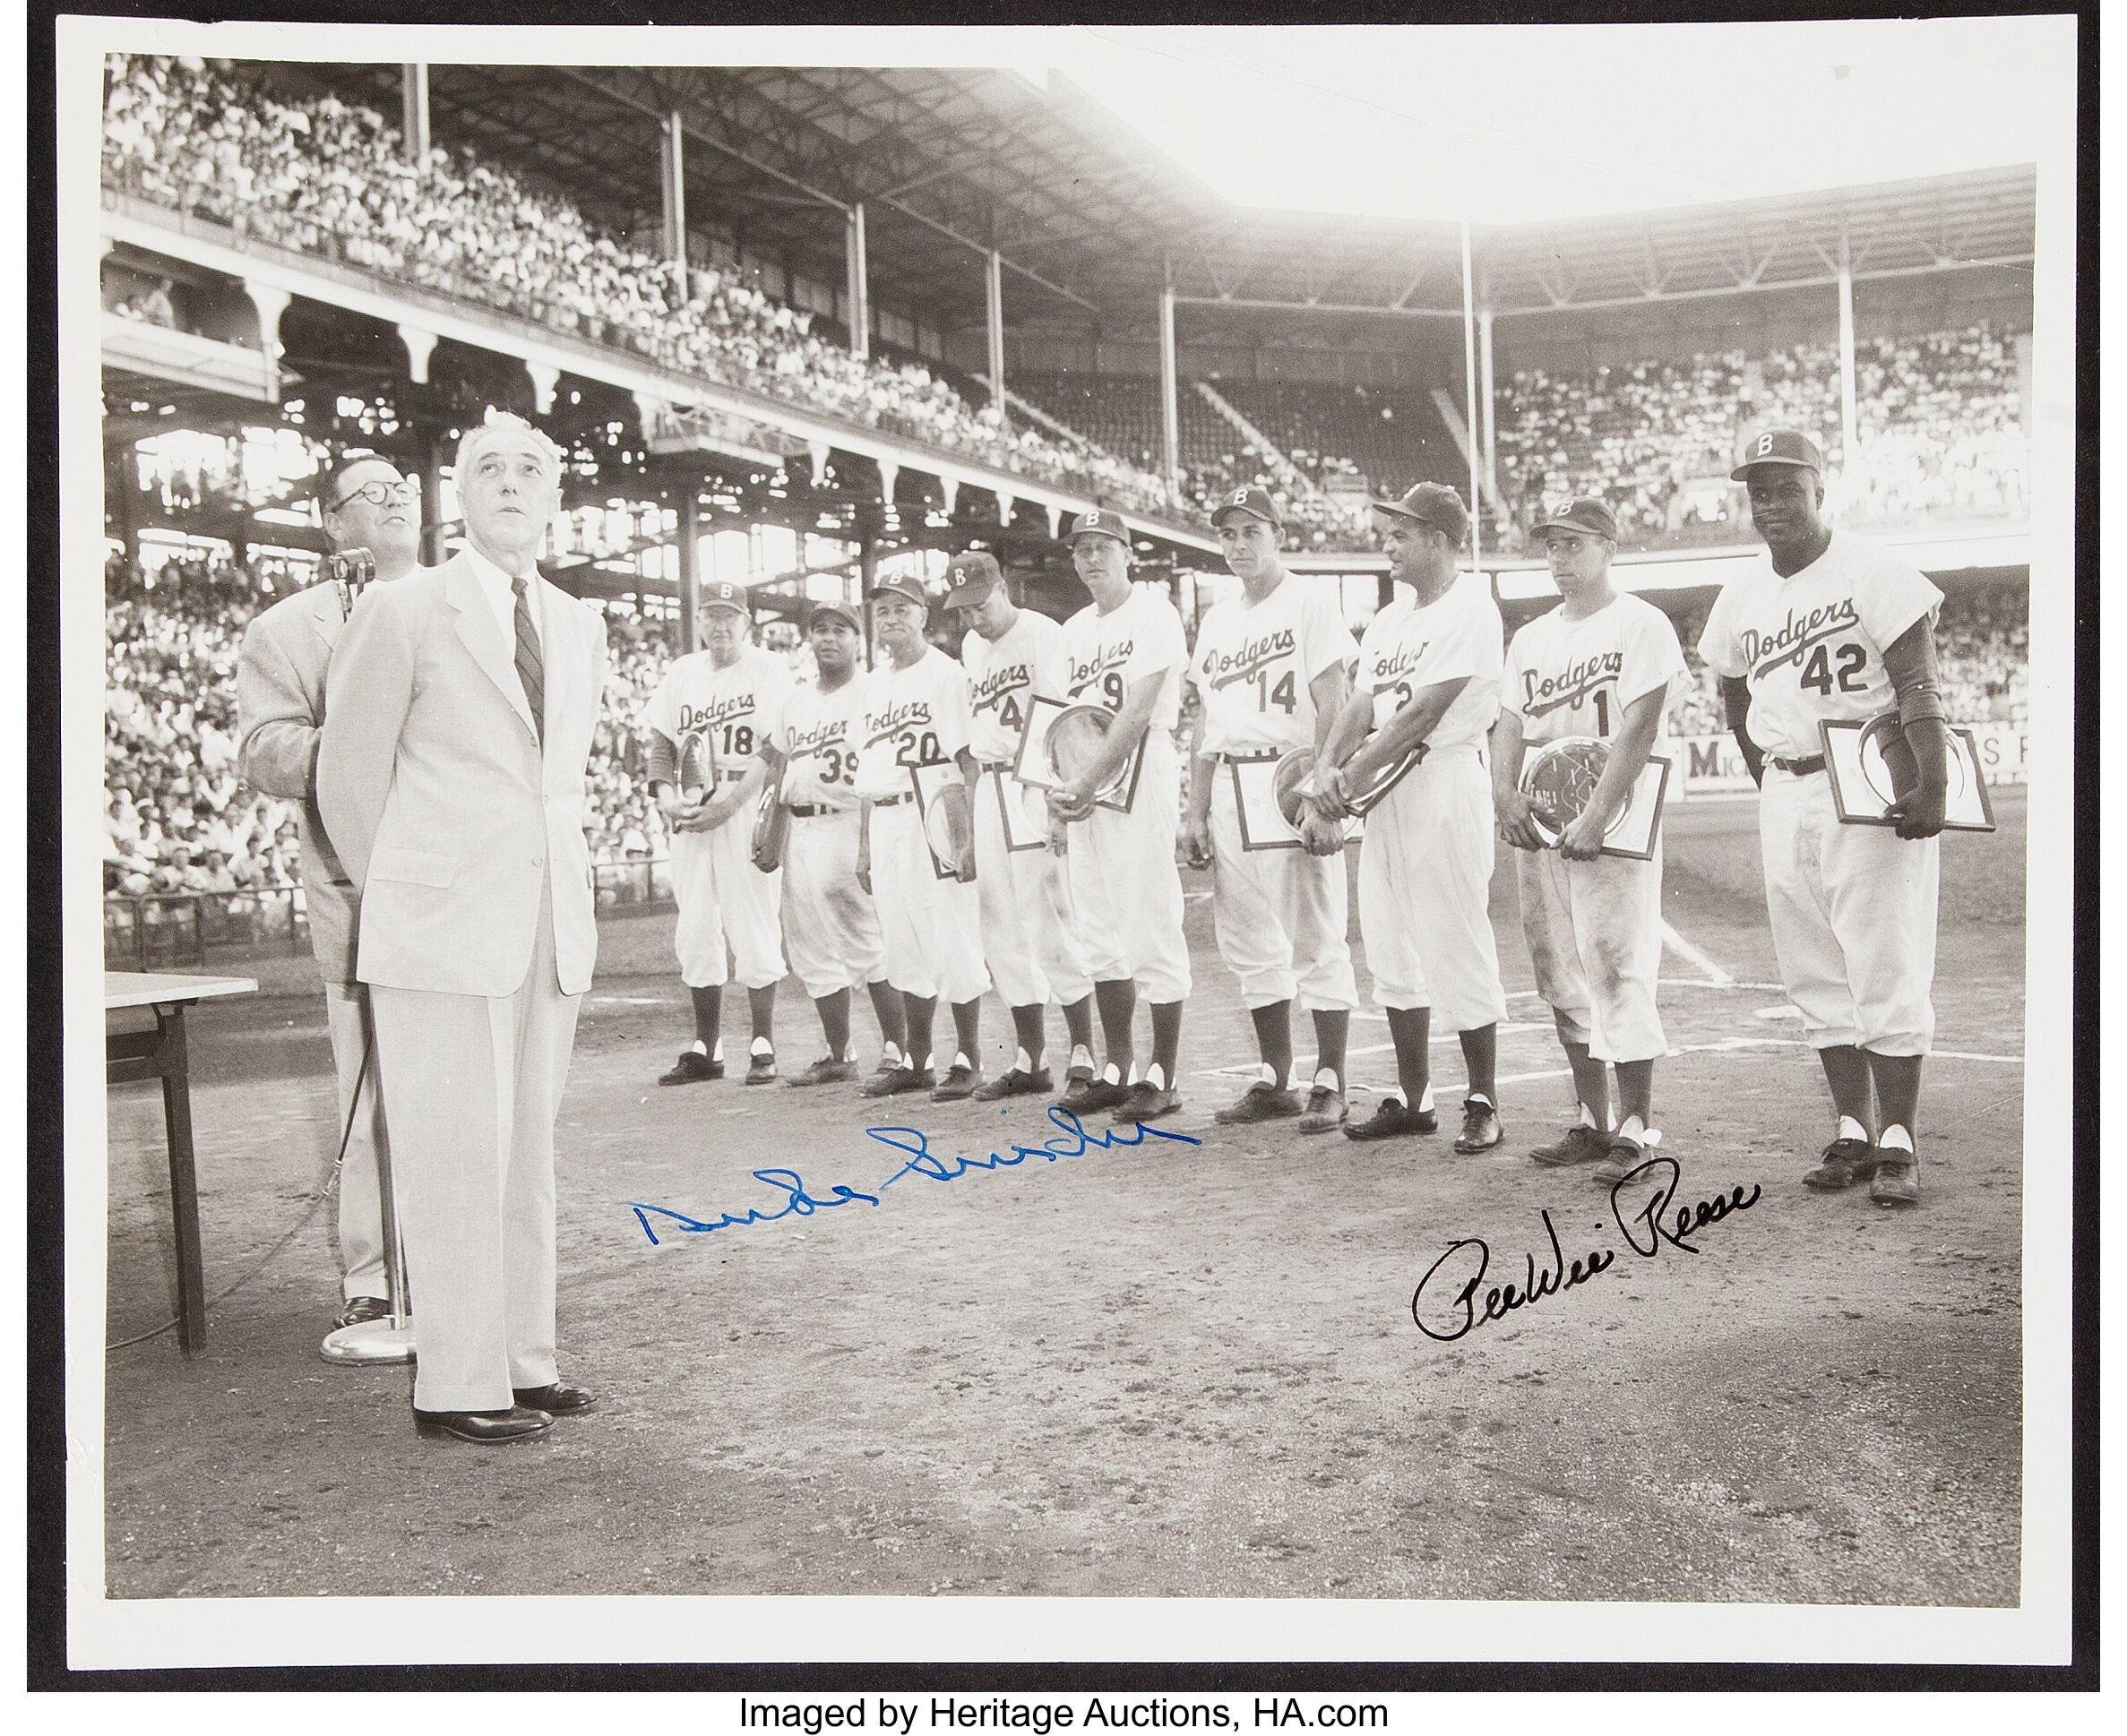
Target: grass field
[{"x": 1183, "y": 1369}]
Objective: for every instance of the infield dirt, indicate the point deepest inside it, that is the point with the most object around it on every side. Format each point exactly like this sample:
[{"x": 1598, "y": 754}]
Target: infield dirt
[{"x": 1172, "y": 1370}]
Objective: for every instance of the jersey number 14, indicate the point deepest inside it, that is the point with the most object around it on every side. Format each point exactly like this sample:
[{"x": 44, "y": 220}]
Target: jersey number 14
[{"x": 1266, "y": 695}]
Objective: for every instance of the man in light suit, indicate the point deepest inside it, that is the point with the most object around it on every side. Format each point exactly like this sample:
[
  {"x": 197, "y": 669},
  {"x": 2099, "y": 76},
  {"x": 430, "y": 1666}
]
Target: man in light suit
[
  {"x": 280, "y": 705},
  {"x": 460, "y": 708}
]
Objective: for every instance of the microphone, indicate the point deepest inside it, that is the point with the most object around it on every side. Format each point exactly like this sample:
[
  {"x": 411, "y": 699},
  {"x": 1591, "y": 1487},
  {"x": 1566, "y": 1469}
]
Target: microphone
[{"x": 349, "y": 568}]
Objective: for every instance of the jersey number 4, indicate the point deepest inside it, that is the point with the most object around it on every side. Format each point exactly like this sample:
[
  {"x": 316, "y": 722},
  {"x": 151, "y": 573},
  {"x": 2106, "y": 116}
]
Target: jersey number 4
[
  {"x": 1817, "y": 672},
  {"x": 1266, "y": 695},
  {"x": 1008, "y": 712}
]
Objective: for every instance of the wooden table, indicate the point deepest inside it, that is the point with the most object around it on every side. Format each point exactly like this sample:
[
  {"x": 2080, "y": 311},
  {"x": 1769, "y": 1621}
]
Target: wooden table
[{"x": 131, "y": 1056}]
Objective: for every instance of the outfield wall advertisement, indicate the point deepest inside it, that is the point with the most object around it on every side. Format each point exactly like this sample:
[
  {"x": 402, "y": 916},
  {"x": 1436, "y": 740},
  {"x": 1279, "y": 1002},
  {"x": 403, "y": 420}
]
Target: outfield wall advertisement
[{"x": 1709, "y": 764}]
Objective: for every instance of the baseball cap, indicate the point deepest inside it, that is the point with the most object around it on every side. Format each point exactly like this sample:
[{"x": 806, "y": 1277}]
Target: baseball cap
[
  {"x": 1778, "y": 446},
  {"x": 971, "y": 578},
  {"x": 1433, "y": 503},
  {"x": 1253, "y": 502},
  {"x": 1582, "y": 514},
  {"x": 905, "y": 584},
  {"x": 1100, "y": 522},
  {"x": 722, "y": 594},
  {"x": 837, "y": 608}
]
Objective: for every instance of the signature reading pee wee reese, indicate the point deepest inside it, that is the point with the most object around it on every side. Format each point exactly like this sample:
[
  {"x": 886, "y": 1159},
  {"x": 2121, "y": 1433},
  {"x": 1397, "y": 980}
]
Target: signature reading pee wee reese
[{"x": 1447, "y": 1295}]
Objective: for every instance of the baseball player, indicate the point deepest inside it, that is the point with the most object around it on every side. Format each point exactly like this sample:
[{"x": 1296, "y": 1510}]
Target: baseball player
[
  {"x": 1009, "y": 654},
  {"x": 733, "y": 693},
  {"x": 916, "y": 713},
  {"x": 1830, "y": 627},
  {"x": 1272, "y": 672},
  {"x": 1125, "y": 651},
  {"x": 831, "y": 927},
  {"x": 1602, "y": 664},
  {"x": 1429, "y": 676}
]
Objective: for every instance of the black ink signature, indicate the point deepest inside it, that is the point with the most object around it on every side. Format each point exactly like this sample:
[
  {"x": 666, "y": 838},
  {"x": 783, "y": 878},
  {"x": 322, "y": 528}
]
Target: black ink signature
[{"x": 1644, "y": 1232}]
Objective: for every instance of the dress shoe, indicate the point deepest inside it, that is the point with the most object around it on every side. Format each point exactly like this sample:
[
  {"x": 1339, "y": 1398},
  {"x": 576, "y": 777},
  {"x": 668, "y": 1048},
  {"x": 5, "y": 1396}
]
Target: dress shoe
[
  {"x": 559, "y": 1400},
  {"x": 488, "y": 1428},
  {"x": 361, "y": 1310}
]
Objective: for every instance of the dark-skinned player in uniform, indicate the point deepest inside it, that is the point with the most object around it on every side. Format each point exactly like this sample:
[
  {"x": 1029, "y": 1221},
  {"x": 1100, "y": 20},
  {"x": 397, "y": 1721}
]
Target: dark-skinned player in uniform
[
  {"x": 1831, "y": 627},
  {"x": 1601, "y": 665},
  {"x": 1272, "y": 671}
]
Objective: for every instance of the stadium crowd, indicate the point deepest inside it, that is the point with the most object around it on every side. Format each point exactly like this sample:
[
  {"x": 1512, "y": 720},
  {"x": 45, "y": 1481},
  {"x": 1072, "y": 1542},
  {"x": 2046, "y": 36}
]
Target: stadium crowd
[{"x": 330, "y": 177}]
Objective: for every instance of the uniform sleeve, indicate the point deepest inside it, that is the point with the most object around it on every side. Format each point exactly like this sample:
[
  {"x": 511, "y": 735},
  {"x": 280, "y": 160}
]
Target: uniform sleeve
[
  {"x": 1653, "y": 659},
  {"x": 1193, "y": 671},
  {"x": 1324, "y": 639},
  {"x": 1717, "y": 644},
  {"x": 1160, "y": 644},
  {"x": 1521, "y": 657},
  {"x": 949, "y": 707},
  {"x": 1465, "y": 646},
  {"x": 1891, "y": 596},
  {"x": 771, "y": 697},
  {"x": 1050, "y": 663}
]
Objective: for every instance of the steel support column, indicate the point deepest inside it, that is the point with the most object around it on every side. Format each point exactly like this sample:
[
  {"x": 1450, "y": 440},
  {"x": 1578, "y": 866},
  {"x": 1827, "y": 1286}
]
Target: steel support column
[
  {"x": 1850, "y": 423},
  {"x": 690, "y": 562},
  {"x": 672, "y": 156},
  {"x": 1170, "y": 412},
  {"x": 995, "y": 284},
  {"x": 1490, "y": 447},
  {"x": 859, "y": 290},
  {"x": 1469, "y": 375},
  {"x": 413, "y": 93}
]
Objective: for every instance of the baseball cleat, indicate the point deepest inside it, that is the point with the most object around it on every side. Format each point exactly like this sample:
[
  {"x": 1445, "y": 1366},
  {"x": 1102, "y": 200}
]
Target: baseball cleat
[
  {"x": 762, "y": 1068},
  {"x": 1580, "y": 1144},
  {"x": 959, "y": 1081},
  {"x": 691, "y": 1067},
  {"x": 826, "y": 1071},
  {"x": 1326, "y": 1109},
  {"x": 1481, "y": 1127},
  {"x": 1624, "y": 1155},
  {"x": 1897, "y": 1179},
  {"x": 1017, "y": 1083},
  {"x": 900, "y": 1079},
  {"x": 1146, "y": 1102},
  {"x": 1392, "y": 1118},
  {"x": 1846, "y": 1162},
  {"x": 1260, "y": 1102},
  {"x": 1094, "y": 1094}
]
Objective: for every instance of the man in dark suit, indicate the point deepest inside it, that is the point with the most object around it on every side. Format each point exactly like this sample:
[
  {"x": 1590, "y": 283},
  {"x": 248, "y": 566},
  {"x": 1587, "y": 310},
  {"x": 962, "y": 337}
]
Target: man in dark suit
[
  {"x": 460, "y": 709},
  {"x": 281, "y": 709}
]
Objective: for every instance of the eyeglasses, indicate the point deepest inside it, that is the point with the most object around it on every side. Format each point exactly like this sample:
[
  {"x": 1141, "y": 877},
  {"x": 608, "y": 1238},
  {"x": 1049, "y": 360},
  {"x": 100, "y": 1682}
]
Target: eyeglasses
[{"x": 383, "y": 493}]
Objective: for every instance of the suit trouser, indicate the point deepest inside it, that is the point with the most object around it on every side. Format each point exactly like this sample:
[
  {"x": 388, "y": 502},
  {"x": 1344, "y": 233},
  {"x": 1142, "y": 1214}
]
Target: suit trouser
[
  {"x": 474, "y": 1082},
  {"x": 361, "y": 1196}
]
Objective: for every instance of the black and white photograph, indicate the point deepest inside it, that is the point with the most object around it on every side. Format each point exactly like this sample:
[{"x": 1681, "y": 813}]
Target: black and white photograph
[{"x": 1149, "y": 844}]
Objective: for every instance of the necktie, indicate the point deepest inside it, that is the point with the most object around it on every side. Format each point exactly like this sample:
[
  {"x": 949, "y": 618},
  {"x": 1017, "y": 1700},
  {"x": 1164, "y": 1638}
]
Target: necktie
[{"x": 532, "y": 670}]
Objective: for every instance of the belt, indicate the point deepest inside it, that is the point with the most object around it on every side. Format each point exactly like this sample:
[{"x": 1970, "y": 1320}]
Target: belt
[
  {"x": 1255, "y": 758},
  {"x": 808, "y": 811},
  {"x": 995, "y": 765},
  {"x": 1800, "y": 767},
  {"x": 892, "y": 801}
]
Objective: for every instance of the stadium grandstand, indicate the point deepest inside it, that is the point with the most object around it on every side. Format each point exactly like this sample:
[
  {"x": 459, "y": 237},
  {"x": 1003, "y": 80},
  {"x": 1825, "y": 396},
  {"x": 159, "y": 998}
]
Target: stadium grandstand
[{"x": 796, "y": 327}]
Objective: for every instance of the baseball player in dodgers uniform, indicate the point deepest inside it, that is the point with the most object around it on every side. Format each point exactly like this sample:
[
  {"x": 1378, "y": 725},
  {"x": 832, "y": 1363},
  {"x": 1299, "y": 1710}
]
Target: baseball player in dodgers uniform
[
  {"x": 916, "y": 713},
  {"x": 1009, "y": 654},
  {"x": 1272, "y": 669},
  {"x": 1429, "y": 673},
  {"x": 1602, "y": 664},
  {"x": 1831, "y": 627},
  {"x": 733, "y": 692},
  {"x": 1125, "y": 651},
  {"x": 830, "y": 926}
]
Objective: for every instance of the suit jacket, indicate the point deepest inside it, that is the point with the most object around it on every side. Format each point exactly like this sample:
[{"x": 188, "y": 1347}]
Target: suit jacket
[
  {"x": 445, "y": 812},
  {"x": 280, "y": 705}
]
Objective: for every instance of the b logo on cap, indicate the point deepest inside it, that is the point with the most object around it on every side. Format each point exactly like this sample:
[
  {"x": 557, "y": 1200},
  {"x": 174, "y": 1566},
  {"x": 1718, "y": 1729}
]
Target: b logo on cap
[
  {"x": 1240, "y": 498},
  {"x": 1764, "y": 444}
]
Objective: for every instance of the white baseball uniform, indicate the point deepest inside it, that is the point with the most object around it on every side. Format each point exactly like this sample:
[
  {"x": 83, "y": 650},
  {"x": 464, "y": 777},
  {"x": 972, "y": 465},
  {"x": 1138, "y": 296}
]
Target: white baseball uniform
[
  {"x": 1853, "y": 907},
  {"x": 830, "y": 924},
  {"x": 724, "y": 900},
  {"x": 1594, "y": 928},
  {"x": 931, "y": 928},
  {"x": 1280, "y": 916},
  {"x": 1124, "y": 886},
  {"x": 1028, "y": 933},
  {"x": 1426, "y": 864}
]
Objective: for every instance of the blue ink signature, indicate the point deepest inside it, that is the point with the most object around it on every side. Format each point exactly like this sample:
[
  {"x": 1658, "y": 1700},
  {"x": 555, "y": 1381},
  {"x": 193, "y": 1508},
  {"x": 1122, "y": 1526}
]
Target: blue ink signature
[{"x": 1072, "y": 1141}]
